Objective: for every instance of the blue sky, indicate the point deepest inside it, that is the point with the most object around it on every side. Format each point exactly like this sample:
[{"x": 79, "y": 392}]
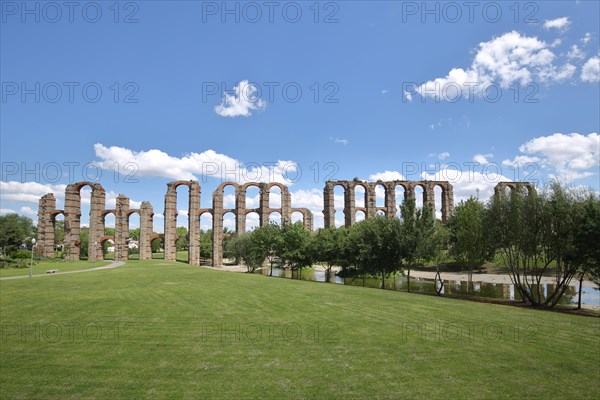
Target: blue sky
[{"x": 349, "y": 89}]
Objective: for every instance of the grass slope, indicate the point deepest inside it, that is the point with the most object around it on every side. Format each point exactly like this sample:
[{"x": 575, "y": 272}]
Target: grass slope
[
  {"x": 170, "y": 331},
  {"x": 40, "y": 267}
]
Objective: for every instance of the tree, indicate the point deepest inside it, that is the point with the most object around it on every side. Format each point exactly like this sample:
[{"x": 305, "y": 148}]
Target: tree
[
  {"x": 59, "y": 231},
  {"x": 532, "y": 232},
  {"x": 296, "y": 250},
  {"x": 426, "y": 243},
  {"x": 329, "y": 248},
  {"x": 135, "y": 233},
  {"x": 377, "y": 246},
  {"x": 14, "y": 230},
  {"x": 156, "y": 245},
  {"x": 586, "y": 251},
  {"x": 84, "y": 241},
  {"x": 468, "y": 240},
  {"x": 182, "y": 238},
  {"x": 408, "y": 235},
  {"x": 206, "y": 244},
  {"x": 441, "y": 240},
  {"x": 243, "y": 247},
  {"x": 268, "y": 241}
]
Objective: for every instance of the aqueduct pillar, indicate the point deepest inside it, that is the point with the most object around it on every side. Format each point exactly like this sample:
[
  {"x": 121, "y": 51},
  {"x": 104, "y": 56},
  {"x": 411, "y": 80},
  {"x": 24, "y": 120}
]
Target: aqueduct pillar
[
  {"x": 45, "y": 232},
  {"x": 121, "y": 228},
  {"x": 146, "y": 227}
]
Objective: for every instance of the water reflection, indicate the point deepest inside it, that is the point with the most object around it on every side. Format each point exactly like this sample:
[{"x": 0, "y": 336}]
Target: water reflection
[{"x": 590, "y": 296}]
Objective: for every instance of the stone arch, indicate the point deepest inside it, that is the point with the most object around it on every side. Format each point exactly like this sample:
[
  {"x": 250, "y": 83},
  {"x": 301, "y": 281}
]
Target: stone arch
[
  {"x": 307, "y": 217},
  {"x": 104, "y": 214},
  {"x": 151, "y": 240},
  {"x": 419, "y": 191},
  {"x": 72, "y": 210},
  {"x": 217, "y": 218},
  {"x": 379, "y": 185},
  {"x": 447, "y": 205},
  {"x": 170, "y": 221},
  {"x": 360, "y": 214},
  {"x": 249, "y": 212},
  {"x": 103, "y": 239},
  {"x": 285, "y": 206},
  {"x": 275, "y": 217},
  {"x": 501, "y": 187},
  {"x": 329, "y": 202}
]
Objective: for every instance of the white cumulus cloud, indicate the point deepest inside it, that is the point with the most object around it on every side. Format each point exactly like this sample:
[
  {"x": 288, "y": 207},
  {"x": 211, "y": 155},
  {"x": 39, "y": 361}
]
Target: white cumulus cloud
[
  {"x": 560, "y": 24},
  {"x": 242, "y": 102},
  {"x": 590, "y": 72},
  {"x": 570, "y": 155},
  {"x": 156, "y": 162},
  {"x": 387, "y": 176},
  {"x": 504, "y": 60},
  {"x": 482, "y": 158}
]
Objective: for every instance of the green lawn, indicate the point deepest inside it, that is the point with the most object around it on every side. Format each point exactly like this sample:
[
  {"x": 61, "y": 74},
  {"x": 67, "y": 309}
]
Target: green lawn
[
  {"x": 40, "y": 267},
  {"x": 157, "y": 330}
]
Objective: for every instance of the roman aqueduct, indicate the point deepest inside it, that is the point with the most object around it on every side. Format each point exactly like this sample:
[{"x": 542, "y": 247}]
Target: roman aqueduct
[{"x": 47, "y": 214}]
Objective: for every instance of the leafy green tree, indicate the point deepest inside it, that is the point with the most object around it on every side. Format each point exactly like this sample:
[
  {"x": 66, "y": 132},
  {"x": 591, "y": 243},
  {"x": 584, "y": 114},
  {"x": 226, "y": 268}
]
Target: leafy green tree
[
  {"x": 59, "y": 231},
  {"x": 84, "y": 242},
  {"x": 206, "y": 244},
  {"x": 468, "y": 240},
  {"x": 244, "y": 247},
  {"x": 268, "y": 241},
  {"x": 182, "y": 238},
  {"x": 296, "y": 246},
  {"x": 135, "y": 233},
  {"x": 330, "y": 248},
  {"x": 377, "y": 246},
  {"x": 14, "y": 230}
]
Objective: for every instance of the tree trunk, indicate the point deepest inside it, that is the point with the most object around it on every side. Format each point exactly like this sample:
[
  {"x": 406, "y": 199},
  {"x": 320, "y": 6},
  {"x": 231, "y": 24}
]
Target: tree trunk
[
  {"x": 408, "y": 280},
  {"x": 469, "y": 280},
  {"x": 382, "y": 279},
  {"x": 580, "y": 289}
]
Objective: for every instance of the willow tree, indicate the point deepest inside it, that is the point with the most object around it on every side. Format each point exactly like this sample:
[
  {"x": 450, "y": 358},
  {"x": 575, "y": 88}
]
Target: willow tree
[{"x": 535, "y": 233}]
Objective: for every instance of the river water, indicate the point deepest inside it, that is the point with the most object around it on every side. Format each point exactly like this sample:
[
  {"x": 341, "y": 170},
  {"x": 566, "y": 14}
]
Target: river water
[{"x": 590, "y": 297}]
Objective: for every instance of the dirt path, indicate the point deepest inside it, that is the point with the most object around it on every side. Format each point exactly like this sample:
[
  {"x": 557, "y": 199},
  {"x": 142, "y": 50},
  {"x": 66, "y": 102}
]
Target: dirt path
[{"x": 109, "y": 266}]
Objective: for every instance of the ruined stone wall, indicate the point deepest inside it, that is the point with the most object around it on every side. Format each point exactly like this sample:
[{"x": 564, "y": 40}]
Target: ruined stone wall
[
  {"x": 45, "y": 232},
  {"x": 240, "y": 211},
  {"x": 72, "y": 212},
  {"x": 502, "y": 186},
  {"x": 389, "y": 209}
]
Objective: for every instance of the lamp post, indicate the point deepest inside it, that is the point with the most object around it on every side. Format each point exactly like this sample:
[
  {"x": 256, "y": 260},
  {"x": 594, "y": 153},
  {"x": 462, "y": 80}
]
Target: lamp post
[{"x": 31, "y": 263}]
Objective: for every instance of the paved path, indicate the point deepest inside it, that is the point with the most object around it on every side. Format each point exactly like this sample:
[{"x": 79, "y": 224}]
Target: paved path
[
  {"x": 109, "y": 266},
  {"x": 488, "y": 278}
]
